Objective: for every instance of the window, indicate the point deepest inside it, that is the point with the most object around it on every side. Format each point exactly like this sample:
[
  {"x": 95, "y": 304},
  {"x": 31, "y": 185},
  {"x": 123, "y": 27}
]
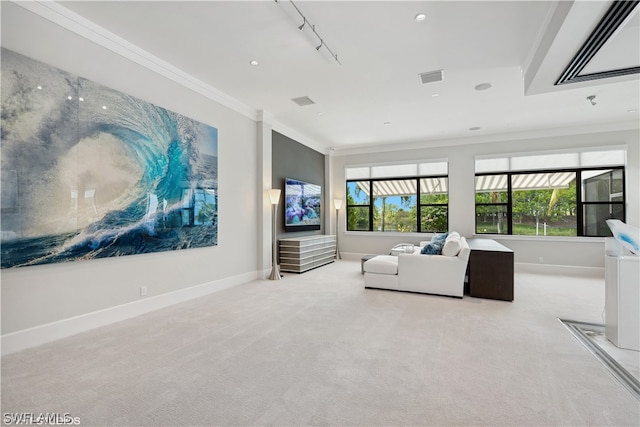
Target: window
[
  {"x": 492, "y": 203},
  {"x": 394, "y": 203},
  {"x": 602, "y": 199},
  {"x": 434, "y": 204},
  {"x": 391, "y": 201},
  {"x": 572, "y": 201},
  {"x": 358, "y": 205}
]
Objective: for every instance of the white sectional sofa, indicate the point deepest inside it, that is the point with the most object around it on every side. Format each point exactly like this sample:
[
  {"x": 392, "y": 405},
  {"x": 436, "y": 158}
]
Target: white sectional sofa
[{"x": 415, "y": 272}]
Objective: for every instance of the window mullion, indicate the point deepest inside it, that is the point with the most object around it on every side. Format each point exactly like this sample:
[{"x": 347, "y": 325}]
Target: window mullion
[
  {"x": 624, "y": 196},
  {"x": 370, "y": 205},
  {"x": 418, "y": 206},
  {"x": 579, "y": 205},
  {"x": 509, "y": 205}
]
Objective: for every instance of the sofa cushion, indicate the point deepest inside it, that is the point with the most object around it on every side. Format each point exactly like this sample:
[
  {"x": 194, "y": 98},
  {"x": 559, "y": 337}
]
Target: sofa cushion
[
  {"x": 452, "y": 245},
  {"x": 382, "y": 264},
  {"x": 454, "y": 234}
]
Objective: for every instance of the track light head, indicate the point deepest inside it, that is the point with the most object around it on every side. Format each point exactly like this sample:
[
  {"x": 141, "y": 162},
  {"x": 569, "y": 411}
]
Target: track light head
[
  {"x": 592, "y": 99},
  {"x": 312, "y": 27}
]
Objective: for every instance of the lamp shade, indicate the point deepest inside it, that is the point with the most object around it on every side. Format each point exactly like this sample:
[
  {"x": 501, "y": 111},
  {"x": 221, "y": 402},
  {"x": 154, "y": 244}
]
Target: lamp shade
[
  {"x": 337, "y": 203},
  {"x": 274, "y": 195}
]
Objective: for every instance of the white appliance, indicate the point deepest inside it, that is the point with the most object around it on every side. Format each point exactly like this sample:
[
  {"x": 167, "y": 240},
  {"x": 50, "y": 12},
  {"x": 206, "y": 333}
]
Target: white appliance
[{"x": 622, "y": 295}]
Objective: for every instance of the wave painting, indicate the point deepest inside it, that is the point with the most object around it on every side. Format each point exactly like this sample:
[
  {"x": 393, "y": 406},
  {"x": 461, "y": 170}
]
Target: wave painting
[{"x": 90, "y": 172}]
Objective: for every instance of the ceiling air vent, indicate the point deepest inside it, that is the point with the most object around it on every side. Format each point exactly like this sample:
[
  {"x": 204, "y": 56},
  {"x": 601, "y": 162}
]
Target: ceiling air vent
[
  {"x": 303, "y": 101},
  {"x": 431, "y": 76}
]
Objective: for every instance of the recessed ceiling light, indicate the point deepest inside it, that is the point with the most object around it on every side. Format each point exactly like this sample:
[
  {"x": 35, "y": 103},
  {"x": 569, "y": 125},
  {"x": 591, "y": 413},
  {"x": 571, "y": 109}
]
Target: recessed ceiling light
[
  {"x": 69, "y": 97},
  {"x": 39, "y": 87},
  {"x": 320, "y": 113},
  {"x": 420, "y": 17},
  {"x": 633, "y": 110},
  {"x": 254, "y": 62},
  {"x": 387, "y": 123},
  {"x": 435, "y": 95},
  {"x": 483, "y": 86},
  {"x": 474, "y": 128},
  {"x": 104, "y": 107}
]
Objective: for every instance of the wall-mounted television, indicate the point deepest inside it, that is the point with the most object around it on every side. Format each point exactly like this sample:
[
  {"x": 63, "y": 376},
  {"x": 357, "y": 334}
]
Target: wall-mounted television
[{"x": 302, "y": 205}]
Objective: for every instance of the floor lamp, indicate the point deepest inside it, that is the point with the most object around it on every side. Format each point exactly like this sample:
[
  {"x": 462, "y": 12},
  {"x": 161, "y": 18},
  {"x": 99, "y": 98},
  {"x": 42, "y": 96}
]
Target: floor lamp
[
  {"x": 338, "y": 204},
  {"x": 274, "y": 196}
]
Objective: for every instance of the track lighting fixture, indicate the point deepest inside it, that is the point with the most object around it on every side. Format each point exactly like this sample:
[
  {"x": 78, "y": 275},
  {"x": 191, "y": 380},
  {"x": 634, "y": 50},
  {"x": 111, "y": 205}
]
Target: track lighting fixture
[
  {"x": 592, "y": 99},
  {"x": 305, "y": 21}
]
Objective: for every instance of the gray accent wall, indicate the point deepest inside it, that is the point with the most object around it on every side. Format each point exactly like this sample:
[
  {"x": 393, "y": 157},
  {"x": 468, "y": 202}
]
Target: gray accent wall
[{"x": 290, "y": 159}]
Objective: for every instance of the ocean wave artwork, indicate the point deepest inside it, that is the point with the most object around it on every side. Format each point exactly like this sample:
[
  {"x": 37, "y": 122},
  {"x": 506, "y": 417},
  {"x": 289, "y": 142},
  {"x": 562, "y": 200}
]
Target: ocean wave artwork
[{"x": 90, "y": 172}]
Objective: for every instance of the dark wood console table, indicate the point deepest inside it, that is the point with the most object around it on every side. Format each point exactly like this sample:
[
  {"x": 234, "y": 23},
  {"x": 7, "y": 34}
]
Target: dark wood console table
[{"x": 490, "y": 270}]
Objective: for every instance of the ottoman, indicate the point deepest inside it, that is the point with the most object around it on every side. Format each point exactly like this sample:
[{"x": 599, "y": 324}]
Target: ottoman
[
  {"x": 381, "y": 272},
  {"x": 365, "y": 259}
]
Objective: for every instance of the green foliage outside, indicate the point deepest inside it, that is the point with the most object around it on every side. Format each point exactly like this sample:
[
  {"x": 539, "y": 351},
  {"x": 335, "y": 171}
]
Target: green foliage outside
[
  {"x": 531, "y": 210},
  {"x": 434, "y": 218},
  {"x": 393, "y": 217},
  {"x": 357, "y": 217}
]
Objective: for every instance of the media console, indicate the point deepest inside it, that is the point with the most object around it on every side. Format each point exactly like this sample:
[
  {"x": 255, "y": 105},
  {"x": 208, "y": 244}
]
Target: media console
[{"x": 300, "y": 254}]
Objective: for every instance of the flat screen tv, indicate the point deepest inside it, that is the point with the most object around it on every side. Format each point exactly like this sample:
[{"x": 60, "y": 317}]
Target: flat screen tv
[{"x": 302, "y": 205}]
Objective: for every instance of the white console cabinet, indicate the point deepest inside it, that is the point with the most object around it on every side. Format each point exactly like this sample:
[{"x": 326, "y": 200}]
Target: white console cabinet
[
  {"x": 299, "y": 254},
  {"x": 622, "y": 306}
]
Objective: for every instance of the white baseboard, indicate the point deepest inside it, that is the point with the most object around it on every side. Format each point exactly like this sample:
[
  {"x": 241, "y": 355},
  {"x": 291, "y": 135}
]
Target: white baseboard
[
  {"x": 559, "y": 270},
  {"x": 42, "y": 334}
]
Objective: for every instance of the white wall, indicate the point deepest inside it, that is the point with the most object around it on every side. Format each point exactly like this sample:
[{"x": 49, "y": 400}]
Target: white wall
[
  {"x": 33, "y": 296},
  {"x": 581, "y": 252}
]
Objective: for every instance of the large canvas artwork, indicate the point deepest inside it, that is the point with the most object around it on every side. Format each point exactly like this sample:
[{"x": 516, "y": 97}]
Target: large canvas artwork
[{"x": 90, "y": 172}]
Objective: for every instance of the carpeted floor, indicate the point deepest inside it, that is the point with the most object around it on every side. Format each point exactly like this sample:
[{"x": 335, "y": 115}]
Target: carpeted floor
[{"x": 318, "y": 349}]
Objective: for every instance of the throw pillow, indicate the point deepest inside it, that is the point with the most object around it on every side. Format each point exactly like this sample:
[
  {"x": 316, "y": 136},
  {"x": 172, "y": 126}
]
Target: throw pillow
[
  {"x": 452, "y": 245},
  {"x": 432, "y": 248},
  {"x": 439, "y": 237}
]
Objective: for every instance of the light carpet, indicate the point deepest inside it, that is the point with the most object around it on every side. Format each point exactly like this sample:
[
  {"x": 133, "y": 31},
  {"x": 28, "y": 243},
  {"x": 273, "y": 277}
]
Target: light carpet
[{"x": 319, "y": 349}]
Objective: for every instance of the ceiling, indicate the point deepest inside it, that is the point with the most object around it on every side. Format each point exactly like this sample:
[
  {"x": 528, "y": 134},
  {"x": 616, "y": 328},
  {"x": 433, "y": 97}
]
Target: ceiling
[{"x": 371, "y": 95}]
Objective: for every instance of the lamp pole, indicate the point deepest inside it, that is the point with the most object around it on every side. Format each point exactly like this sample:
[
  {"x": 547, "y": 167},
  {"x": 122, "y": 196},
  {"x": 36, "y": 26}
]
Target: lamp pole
[
  {"x": 274, "y": 195},
  {"x": 338, "y": 204}
]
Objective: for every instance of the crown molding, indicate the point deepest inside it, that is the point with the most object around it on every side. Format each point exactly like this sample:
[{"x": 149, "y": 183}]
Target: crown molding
[{"x": 71, "y": 21}]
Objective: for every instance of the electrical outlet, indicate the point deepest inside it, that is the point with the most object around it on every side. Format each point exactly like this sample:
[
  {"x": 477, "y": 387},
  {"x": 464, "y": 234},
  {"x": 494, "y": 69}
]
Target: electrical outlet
[
  {"x": 540, "y": 260},
  {"x": 143, "y": 291}
]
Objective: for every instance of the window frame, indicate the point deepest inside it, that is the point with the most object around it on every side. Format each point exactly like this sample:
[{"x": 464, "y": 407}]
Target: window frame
[
  {"x": 580, "y": 203},
  {"x": 418, "y": 205}
]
